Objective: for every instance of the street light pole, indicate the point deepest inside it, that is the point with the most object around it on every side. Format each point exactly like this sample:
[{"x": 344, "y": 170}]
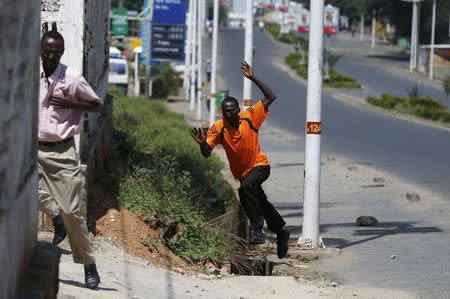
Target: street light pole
[
  {"x": 212, "y": 104},
  {"x": 413, "y": 51},
  {"x": 194, "y": 53},
  {"x": 361, "y": 36},
  {"x": 199, "y": 58},
  {"x": 374, "y": 22},
  {"x": 187, "y": 60},
  {"x": 310, "y": 230},
  {"x": 433, "y": 25},
  {"x": 248, "y": 55}
]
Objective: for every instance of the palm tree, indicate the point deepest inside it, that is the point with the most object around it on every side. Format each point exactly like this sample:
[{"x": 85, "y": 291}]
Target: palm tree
[{"x": 446, "y": 87}]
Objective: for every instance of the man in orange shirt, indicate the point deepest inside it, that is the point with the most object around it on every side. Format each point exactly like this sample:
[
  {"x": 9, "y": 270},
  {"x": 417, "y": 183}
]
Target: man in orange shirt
[{"x": 238, "y": 133}]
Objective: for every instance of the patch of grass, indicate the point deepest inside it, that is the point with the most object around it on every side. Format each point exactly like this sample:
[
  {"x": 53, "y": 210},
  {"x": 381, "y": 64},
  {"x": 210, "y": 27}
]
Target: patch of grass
[
  {"x": 163, "y": 173},
  {"x": 423, "y": 107}
]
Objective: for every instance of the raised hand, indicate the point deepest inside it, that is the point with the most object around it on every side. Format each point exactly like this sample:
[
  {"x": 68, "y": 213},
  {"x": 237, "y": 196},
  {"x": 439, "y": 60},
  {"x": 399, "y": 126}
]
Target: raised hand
[
  {"x": 62, "y": 102},
  {"x": 247, "y": 70},
  {"x": 198, "y": 136}
]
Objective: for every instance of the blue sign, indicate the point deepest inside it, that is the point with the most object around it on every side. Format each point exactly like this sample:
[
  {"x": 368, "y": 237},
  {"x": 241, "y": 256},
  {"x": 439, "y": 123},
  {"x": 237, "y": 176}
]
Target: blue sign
[
  {"x": 169, "y": 12},
  {"x": 144, "y": 36},
  {"x": 168, "y": 30},
  {"x": 168, "y": 42}
]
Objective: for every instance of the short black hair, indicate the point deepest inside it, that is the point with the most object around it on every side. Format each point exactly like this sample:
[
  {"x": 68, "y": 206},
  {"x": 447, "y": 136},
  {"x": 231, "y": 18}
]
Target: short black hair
[
  {"x": 230, "y": 100},
  {"x": 53, "y": 34}
]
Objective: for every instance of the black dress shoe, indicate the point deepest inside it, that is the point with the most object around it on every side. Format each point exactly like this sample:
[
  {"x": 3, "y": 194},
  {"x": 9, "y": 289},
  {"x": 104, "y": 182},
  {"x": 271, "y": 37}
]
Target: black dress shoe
[
  {"x": 91, "y": 277},
  {"x": 282, "y": 243},
  {"x": 257, "y": 237},
  {"x": 60, "y": 230}
]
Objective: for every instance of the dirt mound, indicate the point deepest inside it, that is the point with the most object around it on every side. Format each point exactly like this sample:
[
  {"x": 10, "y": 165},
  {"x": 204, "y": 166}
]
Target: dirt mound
[{"x": 125, "y": 229}]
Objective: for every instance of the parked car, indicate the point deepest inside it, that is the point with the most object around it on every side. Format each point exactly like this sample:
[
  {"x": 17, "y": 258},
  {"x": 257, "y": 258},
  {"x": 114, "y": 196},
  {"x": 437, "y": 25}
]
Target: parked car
[
  {"x": 115, "y": 53},
  {"x": 118, "y": 73},
  {"x": 178, "y": 67}
]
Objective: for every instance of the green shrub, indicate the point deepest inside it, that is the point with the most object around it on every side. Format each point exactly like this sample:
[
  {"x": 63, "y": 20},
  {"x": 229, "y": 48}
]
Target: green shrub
[
  {"x": 163, "y": 173},
  {"x": 166, "y": 81},
  {"x": 420, "y": 107}
]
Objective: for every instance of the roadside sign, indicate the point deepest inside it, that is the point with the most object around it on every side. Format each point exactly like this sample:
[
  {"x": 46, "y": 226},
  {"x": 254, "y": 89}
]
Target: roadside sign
[
  {"x": 168, "y": 42},
  {"x": 303, "y": 23},
  {"x": 168, "y": 30},
  {"x": 119, "y": 22},
  {"x": 314, "y": 127},
  {"x": 331, "y": 20}
]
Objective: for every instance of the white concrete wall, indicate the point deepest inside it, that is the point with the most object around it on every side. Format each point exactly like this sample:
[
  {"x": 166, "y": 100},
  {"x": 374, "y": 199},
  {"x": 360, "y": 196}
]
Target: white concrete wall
[
  {"x": 19, "y": 87},
  {"x": 69, "y": 18},
  {"x": 85, "y": 28}
]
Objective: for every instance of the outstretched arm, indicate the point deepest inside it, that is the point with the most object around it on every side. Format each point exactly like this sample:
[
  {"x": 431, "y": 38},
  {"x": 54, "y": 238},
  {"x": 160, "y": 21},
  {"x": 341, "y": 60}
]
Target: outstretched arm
[
  {"x": 269, "y": 96},
  {"x": 200, "y": 138}
]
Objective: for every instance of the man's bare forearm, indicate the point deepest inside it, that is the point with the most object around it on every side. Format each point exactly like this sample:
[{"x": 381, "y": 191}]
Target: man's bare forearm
[
  {"x": 205, "y": 149},
  {"x": 269, "y": 96}
]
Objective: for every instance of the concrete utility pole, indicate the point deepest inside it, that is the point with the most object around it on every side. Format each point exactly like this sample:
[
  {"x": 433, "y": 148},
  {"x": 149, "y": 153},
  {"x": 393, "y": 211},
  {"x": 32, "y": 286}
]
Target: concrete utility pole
[
  {"x": 414, "y": 27},
  {"x": 136, "y": 74},
  {"x": 361, "y": 36},
  {"x": 433, "y": 25},
  {"x": 248, "y": 54},
  {"x": 416, "y": 50},
  {"x": 199, "y": 58},
  {"x": 310, "y": 230},
  {"x": 187, "y": 58},
  {"x": 212, "y": 104},
  {"x": 194, "y": 53},
  {"x": 374, "y": 23}
]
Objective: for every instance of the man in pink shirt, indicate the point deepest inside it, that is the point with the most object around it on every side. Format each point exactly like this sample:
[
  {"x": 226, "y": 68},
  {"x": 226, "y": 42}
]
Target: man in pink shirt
[{"x": 64, "y": 97}]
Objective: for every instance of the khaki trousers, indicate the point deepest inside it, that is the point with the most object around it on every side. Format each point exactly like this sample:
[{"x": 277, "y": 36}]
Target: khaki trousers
[{"x": 59, "y": 190}]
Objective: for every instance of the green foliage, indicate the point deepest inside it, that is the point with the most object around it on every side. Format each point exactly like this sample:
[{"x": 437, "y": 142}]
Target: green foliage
[
  {"x": 414, "y": 91},
  {"x": 446, "y": 86},
  {"x": 288, "y": 38},
  {"x": 424, "y": 107},
  {"x": 166, "y": 81},
  {"x": 336, "y": 79},
  {"x": 153, "y": 243},
  {"x": 163, "y": 173}
]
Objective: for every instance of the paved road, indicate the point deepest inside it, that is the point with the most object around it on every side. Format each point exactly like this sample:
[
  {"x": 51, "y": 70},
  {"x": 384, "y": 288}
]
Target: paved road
[
  {"x": 412, "y": 151},
  {"x": 381, "y": 69},
  {"x": 415, "y": 234}
]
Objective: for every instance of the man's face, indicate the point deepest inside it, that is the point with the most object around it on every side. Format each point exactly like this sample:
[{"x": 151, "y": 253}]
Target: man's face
[
  {"x": 51, "y": 52},
  {"x": 230, "y": 111}
]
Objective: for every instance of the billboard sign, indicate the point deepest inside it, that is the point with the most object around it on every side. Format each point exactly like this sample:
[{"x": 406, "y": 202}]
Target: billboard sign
[
  {"x": 119, "y": 22},
  {"x": 303, "y": 23},
  {"x": 168, "y": 29},
  {"x": 168, "y": 42},
  {"x": 169, "y": 12},
  {"x": 331, "y": 20}
]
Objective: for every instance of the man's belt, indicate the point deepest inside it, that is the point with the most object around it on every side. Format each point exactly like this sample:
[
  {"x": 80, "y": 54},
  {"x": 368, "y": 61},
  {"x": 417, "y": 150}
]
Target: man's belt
[{"x": 55, "y": 143}]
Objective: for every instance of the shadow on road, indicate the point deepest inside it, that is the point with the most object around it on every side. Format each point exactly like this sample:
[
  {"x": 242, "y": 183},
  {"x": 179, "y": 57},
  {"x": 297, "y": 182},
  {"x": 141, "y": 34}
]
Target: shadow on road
[
  {"x": 394, "y": 57},
  {"x": 369, "y": 233},
  {"x": 82, "y": 285}
]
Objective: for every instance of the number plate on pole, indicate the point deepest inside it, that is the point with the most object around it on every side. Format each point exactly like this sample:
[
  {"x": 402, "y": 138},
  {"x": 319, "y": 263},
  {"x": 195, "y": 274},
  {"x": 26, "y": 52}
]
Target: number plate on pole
[{"x": 314, "y": 127}]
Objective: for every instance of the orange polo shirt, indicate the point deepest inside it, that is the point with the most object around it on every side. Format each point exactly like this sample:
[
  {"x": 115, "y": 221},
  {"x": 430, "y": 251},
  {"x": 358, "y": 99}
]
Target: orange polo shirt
[{"x": 241, "y": 145}]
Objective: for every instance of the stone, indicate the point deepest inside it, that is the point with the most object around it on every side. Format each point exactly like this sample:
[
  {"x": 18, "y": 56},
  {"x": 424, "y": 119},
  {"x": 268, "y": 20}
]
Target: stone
[
  {"x": 378, "y": 180},
  {"x": 366, "y": 221},
  {"x": 413, "y": 197}
]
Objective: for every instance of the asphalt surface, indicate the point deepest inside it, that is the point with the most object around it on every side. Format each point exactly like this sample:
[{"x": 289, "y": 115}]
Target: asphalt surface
[{"x": 412, "y": 151}]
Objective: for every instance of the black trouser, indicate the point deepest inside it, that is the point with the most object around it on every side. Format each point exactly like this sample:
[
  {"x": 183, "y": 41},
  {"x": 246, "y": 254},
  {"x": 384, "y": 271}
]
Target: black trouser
[{"x": 254, "y": 201}]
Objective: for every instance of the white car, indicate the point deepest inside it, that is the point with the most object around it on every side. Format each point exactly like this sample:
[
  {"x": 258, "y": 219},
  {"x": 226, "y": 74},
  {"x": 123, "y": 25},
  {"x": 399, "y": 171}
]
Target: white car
[
  {"x": 178, "y": 67},
  {"x": 118, "y": 73},
  {"x": 115, "y": 53}
]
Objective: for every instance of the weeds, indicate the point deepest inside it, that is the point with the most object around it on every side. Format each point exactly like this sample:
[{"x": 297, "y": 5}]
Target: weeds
[{"x": 163, "y": 173}]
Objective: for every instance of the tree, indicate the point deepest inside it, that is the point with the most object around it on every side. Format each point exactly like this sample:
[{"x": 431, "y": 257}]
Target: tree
[{"x": 446, "y": 87}]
